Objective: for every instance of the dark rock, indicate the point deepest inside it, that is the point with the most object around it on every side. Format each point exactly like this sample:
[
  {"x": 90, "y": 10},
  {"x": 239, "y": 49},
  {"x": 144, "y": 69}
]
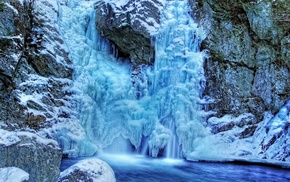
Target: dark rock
[
  {"x": 130, "y": 26},
  {"x": 248, "y": 44},
  {"x": 249, "y": 131}
]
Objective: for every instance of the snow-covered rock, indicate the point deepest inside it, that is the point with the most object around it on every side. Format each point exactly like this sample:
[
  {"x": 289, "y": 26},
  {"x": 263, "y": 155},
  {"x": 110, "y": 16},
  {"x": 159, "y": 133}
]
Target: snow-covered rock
[
  {"x": 38, "y": 156},
  {"x": 35, "y": 69},
  {"x": 13, "y": 174},
  {"x": 276, "y": 143},
  {"x": 130, "y": 25},
  {"x": 94, "y": 170},
  {"x": 228, "y": 122}
]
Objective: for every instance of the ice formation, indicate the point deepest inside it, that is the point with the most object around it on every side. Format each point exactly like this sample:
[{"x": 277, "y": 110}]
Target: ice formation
[{"x": 155, "y": 110}]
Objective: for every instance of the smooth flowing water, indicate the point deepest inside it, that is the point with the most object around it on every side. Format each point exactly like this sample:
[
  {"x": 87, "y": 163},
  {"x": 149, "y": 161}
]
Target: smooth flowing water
[{"x": 141, "y": 169}]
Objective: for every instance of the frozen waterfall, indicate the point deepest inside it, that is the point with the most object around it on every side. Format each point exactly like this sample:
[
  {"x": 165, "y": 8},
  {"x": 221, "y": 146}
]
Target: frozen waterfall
[
  {"x": 178, "y": 78},
  {"x": 158, "y": 111}
]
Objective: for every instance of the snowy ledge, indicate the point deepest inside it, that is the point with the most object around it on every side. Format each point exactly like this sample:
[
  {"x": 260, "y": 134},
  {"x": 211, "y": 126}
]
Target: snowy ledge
[{"x": 8, "y": 138}]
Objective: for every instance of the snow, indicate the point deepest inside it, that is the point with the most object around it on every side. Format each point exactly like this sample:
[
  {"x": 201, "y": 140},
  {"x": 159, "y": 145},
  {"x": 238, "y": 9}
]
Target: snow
[
  {"x": 118, "y": 3},
  {"x": 11, "y": 7},
  {"x": 95, "y": 169},
  {"x": 280, "y": 121},
  {"x": 8, "y": 138},
  {"x": 13, "y": 174}
]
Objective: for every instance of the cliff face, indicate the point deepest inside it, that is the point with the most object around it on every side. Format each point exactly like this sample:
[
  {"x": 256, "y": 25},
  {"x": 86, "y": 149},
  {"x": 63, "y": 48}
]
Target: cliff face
[
  {"x": 35, "y": 72},
  {"x": 34, "y": 65},
  {"x": 248, "y": 70},
  {"x": 249, "y": 45}
]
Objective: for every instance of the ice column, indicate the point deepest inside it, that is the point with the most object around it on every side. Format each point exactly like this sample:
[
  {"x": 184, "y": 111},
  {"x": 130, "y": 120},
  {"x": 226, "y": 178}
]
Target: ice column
[{"x": 178, "y": 78}]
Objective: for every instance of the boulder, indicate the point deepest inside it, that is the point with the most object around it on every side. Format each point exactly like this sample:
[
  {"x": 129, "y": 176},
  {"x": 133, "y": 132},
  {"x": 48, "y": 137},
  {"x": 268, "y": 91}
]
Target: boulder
[
  {"x": 39, "y": 157},
  {"x": 130, "y": 25},
  {"x": 88, "y": 170}
]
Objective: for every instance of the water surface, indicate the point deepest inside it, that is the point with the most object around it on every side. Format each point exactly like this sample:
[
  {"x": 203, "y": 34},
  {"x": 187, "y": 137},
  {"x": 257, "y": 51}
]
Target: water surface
[{"x": 141, "y": 169}]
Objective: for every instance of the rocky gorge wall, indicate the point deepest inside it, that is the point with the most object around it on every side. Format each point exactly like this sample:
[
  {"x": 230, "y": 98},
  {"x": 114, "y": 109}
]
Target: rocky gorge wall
[
  {"x": 35, "y": 67},
  {"x": 249, "y": 46},
  {"x": 248, "y": 43},
  {"x": 248, "y": 68},
  {"x": 35, "y": 72}
]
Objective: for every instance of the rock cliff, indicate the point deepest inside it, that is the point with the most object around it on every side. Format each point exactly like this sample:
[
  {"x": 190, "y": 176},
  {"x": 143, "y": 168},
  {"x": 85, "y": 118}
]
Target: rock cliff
[
  {"x": 35, "y": 72},
  {"x": 249, "y": 42},
  {"x": 130, "y": 26},
  {"x": 248, "y": 70},
  {"x": 34, "y": 65}
]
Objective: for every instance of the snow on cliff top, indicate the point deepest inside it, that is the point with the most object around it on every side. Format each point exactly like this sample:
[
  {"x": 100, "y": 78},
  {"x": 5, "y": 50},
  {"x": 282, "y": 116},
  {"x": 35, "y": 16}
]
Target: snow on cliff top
[{"x": 8, "y": 138}]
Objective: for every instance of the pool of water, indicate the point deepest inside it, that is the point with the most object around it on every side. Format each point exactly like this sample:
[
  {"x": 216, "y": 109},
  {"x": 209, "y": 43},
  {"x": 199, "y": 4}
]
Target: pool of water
[{"x": 141, "y": 169}]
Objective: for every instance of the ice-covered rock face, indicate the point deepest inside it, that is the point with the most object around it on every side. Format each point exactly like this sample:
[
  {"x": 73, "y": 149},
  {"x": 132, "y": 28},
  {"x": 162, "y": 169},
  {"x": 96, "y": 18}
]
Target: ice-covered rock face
[
  {"x": 93, "y": 170},
  {"x": 39, "y": 157},
  {"x": 130, "y": 25},
  {"x": 34, "y": 65}
]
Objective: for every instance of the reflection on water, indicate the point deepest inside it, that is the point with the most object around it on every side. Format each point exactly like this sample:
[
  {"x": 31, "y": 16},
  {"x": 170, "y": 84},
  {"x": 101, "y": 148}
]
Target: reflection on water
[{"x": 140, "y": 169}]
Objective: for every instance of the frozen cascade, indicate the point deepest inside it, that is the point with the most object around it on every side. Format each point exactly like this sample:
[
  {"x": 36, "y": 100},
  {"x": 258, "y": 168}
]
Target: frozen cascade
[
  {"x": 179, "y": 78},
  {"x": 160, "y": 105}
]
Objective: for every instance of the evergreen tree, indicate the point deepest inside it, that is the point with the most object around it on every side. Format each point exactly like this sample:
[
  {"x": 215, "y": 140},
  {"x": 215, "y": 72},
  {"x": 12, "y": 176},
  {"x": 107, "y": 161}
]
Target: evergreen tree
[{"x": 2, "y": 5}]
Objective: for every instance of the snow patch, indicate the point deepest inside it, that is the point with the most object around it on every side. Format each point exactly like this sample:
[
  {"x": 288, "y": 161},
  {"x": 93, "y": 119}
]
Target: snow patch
[
  {"x": 8, "y": 138},
  {"x": 13, "y": 174},
  {"x": 92, "y": 169}
]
